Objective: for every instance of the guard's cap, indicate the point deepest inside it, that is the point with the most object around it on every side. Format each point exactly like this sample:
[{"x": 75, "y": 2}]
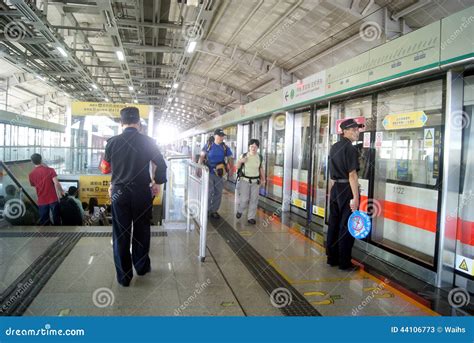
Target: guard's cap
[
  {"x": 219, "y": 132},
  {"x": 350, "y": 123},
  {"x": 130, "y": 115}
]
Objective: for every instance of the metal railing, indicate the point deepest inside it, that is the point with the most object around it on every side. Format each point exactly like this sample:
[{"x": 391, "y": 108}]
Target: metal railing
[{"x": 197, "y": 202}]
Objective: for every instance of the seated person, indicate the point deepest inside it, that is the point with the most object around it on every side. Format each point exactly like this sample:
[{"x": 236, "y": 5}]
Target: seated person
[
  {"x": 95, "y": 214},
  {"x": 71, "y": 208}
]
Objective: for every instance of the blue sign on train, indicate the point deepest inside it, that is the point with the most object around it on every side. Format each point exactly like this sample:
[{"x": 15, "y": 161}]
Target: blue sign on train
[{"x": 359, "y": 224}]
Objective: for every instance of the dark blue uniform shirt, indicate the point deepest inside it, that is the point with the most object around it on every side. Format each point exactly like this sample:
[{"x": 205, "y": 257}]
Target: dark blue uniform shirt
[
  {"x": 343, "y": 158},
  {"x": 130, "y": 154}
]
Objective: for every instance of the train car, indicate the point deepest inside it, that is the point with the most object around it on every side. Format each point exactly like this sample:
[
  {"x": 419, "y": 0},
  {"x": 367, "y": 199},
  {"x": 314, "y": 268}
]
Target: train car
[{"x": 415, "y": 95}]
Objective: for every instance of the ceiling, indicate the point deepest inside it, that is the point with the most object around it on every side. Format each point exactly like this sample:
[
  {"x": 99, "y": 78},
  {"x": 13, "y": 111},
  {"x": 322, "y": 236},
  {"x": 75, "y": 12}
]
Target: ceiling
[{"x": 54, "y": 51}]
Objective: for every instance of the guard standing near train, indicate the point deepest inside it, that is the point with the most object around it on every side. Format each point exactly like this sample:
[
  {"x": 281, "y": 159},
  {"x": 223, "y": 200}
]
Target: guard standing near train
[
  {"x": 129, "y": 155},
  {"x": 344, "y": 195}
]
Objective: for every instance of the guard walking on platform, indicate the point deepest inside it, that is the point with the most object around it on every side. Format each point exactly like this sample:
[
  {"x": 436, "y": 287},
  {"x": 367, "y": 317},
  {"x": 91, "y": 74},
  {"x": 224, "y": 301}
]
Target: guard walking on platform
[
  {"x": 250, "y": 176},
  {"x": 214, "y": 154},
  {"x": 344, "y": 195},
  {"x": 129, "y": 155}
]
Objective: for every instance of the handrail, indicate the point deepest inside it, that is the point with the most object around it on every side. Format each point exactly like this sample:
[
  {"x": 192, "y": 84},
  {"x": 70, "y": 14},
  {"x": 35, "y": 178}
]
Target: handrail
[
  {"x": 197, "y": 185},
  {"x": 18, "y": 184}
]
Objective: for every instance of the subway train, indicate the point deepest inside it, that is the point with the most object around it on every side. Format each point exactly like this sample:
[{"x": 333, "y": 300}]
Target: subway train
[{"x": 415, "y": 95}]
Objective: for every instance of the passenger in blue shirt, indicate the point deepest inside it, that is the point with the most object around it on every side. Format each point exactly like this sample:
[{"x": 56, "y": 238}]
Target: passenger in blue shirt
[{"x": 217, "y": 156}]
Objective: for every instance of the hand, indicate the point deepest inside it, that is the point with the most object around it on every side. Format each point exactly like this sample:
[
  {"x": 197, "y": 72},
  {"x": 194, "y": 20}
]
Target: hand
[
  {"x": 262, "y": 182},
  {"x": 354, "y": 204},
  {"x": 110, "y": 191},
  {"x": 243, "y": 160},
  {"x": 155, "y": 189}
]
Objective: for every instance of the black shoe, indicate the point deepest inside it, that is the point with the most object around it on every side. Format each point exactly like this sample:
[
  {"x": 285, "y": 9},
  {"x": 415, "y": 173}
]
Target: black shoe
[
  {"x": 124, "y": 283},
  {"x": 332, "y": 263},
  {"x": 146, "y": 271},
  {"x": 252, "y": 221},
  {"x": 349, "y": 267},
  {"x": 215, "y": 215},
  {"x": 238, "y": 215}
]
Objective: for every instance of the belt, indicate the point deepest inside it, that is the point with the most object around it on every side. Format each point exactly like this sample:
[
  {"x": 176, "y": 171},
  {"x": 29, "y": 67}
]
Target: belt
[
  {"x": 249, "y": 179},
  {"x": 342, "y": 180}
]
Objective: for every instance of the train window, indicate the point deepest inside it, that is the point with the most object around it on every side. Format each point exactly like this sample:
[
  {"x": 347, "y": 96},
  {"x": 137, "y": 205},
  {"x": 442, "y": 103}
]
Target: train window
[
  {"x": 301, "y": 151},
  {"x": 407, "y": 156},
  {"x": 275, "y": 156},
  {"x": 320, "y": 151}
]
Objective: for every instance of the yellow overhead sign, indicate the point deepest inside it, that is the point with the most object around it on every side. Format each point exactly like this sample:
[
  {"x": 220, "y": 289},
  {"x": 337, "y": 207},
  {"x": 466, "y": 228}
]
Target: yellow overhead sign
[
  {"x": 94, "y": 186},
  {"x": 81, "y": 108},
  {"x": 408, "y": 120}
]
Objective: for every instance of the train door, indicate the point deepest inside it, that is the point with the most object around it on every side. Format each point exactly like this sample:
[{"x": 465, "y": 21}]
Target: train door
[
  {"x": 301, "y": 162},
  {"x": 320, "y": 162},
  {"x": 465, "y": 217},
  {"x": 408, "y": 145},
  {"x": 275, "y": 157},
  {"x": 360, "y": 109}
]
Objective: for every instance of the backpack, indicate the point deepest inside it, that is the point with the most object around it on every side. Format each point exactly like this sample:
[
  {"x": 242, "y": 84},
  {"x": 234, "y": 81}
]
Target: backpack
[
  {"x": 240, "y": 171},
  {"x": 69, "y": 212},
  {"x": 221, "y": 165}
]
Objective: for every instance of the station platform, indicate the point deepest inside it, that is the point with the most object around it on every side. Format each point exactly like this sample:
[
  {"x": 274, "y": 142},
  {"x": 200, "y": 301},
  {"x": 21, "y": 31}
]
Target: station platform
[{"x": 268, "y": 269}]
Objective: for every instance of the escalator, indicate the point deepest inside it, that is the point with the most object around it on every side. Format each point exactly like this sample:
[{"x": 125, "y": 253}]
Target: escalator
[{"x": 18, "y": 201}]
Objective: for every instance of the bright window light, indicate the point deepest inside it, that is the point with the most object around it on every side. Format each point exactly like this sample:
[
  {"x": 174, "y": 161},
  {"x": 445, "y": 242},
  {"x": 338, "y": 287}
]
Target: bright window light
[
  {"x": 166, "y": 133},
  {"x": 120, "y": 55},
  {"x": 62, "y": 51},
  {"x": 191, "y": 47}
]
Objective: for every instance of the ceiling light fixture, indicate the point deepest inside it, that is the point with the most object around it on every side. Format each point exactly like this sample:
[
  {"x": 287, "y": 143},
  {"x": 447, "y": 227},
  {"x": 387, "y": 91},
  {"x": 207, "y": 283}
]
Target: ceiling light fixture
[
  {"x": 130, "y": 88},
  {"x": 94, "y": 86},
  {"x": 120, "y": 55},
  {"x": 62, "y": 51},
  {"x": 175, "y": 85},
  {"x": 191, "y": 47}
]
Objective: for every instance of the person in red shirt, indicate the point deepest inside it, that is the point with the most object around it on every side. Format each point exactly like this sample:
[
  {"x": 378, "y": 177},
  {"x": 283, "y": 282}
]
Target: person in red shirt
[{"x": 45, "y": 180}]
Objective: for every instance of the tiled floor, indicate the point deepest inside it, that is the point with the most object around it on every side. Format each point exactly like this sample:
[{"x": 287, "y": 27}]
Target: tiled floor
[{"x": 179, "y": 284}]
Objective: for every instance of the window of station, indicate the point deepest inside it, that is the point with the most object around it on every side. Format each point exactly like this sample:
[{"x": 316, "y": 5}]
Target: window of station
[
  {"x": 407, "y": 150},
  {"x": 231, "y": 142},
  {"x": 465, "y": 220},
  {"x": 276, "y": 152},
  {"x": 301, "y": 159},
  {"x": 320, "y": 153}
]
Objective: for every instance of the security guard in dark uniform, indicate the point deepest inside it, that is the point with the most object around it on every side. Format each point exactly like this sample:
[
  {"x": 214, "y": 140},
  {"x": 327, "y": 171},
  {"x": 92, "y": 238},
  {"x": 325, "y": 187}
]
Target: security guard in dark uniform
[
  {"x": 129, "y": 155},
  {"x": 344, "y": 195}
]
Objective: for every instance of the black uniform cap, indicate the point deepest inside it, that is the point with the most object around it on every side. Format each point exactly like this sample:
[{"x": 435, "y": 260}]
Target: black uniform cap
[
  {"x": 130, "y": 115},
  {"x": 219, "y": 132},
  {"x": 350, "y": 123}
]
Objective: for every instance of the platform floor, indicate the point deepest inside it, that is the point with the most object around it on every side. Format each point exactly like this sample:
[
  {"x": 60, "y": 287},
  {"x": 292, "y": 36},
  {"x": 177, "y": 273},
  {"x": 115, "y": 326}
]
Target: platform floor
[{"x": 229, "y": 283}]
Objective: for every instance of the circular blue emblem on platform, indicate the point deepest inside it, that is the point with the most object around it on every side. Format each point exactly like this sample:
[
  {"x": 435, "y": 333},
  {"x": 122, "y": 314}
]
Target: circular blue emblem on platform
[{"x": 359, "y": 224}]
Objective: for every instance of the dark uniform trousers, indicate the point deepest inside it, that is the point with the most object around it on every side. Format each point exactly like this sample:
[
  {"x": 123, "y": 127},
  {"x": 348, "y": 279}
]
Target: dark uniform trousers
[
  {"x": 131, "y": 204},
  {"x": 339, "y": 240}
]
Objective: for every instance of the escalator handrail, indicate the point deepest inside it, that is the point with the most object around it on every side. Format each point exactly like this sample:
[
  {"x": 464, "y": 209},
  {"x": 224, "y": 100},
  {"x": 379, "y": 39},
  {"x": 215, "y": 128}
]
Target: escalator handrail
[{"x": 18, "y": 184}]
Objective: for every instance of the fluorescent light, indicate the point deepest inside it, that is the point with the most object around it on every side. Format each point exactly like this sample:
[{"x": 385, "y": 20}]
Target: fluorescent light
[
  {"x": 130, "y": 88},
  {"x": 106, "y": 99},
  {"x": 135, "y": 101},
  {"x": 120, "y": 55},
  {"x": 170, "y": 99},
  {"x": 175, "y": 85},
  {"x": 62, "y": 51},
  {"x": 40, "y": 78},
  {"x": 94, "y": 86},
  {"x": 191, "y": 47}
]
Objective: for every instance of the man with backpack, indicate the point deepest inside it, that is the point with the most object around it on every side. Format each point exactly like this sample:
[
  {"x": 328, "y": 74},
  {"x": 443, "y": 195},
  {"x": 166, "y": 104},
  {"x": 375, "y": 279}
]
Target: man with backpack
[
  {"x": 250, "y": 176},
  {"x": 214, "y": 154}
]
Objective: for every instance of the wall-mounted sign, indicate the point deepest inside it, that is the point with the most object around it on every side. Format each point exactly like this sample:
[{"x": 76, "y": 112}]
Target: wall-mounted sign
[
  {"x": 80, "y": 108},
  {"x": 378, "y": 139},
  {"x": 94, "y": 186},
  {"x": 408, "y": 120},
  {"x": 428, "y": 137},
  {"x": 359, "y": 120},
  {"x": 366, "y": 143},
  {"x": 312, "y": 87}
]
